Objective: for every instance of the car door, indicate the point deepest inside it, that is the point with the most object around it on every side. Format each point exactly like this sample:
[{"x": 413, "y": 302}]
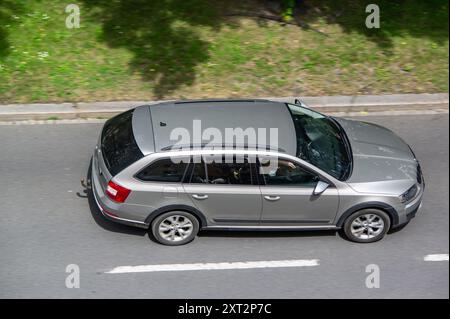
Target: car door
[
  {"x": 225, "y": 191},
  {"x": 288, "y": 200}
]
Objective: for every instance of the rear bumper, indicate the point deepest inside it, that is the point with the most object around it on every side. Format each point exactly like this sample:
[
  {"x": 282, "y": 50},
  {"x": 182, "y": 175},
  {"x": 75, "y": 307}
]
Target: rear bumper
[{"x": 108, "y": 208}]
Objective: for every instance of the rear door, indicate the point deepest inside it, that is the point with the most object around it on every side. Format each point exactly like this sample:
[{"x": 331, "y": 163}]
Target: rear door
[
  {"x": 288, "y": 199},
  {"x": 225, "y": 191}
]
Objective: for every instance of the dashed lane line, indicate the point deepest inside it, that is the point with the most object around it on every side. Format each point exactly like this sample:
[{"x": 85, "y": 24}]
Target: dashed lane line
[
  {"x": 436, "y": 257},
  {"x": 216, "y": 266}
]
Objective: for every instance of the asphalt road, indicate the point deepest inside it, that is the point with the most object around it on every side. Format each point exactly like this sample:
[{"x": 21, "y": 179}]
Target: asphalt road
[{"x": 47, "y": 224}]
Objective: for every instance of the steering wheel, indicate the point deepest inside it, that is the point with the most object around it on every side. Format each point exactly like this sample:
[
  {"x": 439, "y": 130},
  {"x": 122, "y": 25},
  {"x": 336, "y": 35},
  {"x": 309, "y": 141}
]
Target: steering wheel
[{"x": 313, "y": 153}]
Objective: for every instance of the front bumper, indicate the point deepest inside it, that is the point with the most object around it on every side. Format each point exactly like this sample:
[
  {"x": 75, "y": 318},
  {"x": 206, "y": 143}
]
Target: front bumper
[
  {"x": 409, "y": 211},
  {"x": 413, "y": 213}
]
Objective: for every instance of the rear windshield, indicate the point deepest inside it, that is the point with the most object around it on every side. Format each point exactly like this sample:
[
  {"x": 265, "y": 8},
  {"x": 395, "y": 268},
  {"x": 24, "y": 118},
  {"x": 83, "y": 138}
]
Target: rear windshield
[{"x": 119, "y": 147}]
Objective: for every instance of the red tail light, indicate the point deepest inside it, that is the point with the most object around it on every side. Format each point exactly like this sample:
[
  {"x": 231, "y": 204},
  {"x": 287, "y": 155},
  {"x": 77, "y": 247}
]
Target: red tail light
[{"x": 116, "y": 192}]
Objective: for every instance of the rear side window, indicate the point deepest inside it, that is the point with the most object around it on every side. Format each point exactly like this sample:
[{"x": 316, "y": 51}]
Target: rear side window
[
  {"x": 223, "y": 172},
  {"x": 119, "y": 147},
  {"x": 164, "y": 170}
]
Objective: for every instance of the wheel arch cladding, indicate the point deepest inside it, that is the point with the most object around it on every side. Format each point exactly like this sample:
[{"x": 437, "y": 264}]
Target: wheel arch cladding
[
  {"x": 392, "y": 213},
  {"x": 184, "y": 208}
]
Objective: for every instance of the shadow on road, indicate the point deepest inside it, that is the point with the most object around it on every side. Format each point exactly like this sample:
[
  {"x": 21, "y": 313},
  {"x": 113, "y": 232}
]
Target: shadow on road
[
  {"x": 266, "y": 234},
  {"x": 397, "y": 229},
  {"x": 98, "y": 217}
]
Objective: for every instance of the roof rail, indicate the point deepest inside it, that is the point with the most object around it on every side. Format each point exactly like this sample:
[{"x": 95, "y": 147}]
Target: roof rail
[
  {"x": 220, "y": 101},
  {"x": 222, "y": 146}
]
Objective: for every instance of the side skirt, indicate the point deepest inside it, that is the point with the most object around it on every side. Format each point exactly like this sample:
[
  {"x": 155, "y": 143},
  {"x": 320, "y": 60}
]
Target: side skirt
[{"x": 272, "y": 228}]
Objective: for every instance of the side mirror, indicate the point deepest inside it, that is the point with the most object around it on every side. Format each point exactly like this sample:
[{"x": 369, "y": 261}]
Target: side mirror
[
  {"x": 321, "y": 186},
  {"x": 300, "y": 103}
]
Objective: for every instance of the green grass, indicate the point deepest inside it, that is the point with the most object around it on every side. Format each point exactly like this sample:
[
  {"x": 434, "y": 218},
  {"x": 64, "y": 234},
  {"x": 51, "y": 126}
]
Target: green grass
[{"x": 140, "y": 49}]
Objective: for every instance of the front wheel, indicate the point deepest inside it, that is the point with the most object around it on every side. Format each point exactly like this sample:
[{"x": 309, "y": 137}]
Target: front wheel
[
  {"x": 175, "y": 228},
  {"x": 367, "y": 226}
]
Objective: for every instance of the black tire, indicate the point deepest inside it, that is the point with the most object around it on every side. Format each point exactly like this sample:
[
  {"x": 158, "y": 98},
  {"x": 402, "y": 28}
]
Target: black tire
[
  {"x": 380, "y": 216},
  {"x": 156, "y": 228}
]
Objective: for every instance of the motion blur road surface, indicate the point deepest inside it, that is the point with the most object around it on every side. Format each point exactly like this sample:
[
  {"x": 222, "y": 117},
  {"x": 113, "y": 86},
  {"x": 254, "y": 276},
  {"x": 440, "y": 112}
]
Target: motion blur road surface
[{"x": 46, "y": 223}]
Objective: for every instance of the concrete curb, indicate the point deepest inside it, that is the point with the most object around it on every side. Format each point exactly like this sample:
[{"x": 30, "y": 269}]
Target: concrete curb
[{"x": 327, "y": 104}]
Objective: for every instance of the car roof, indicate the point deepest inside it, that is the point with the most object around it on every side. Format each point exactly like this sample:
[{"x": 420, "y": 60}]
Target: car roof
[{"x": 222, "y": 115}]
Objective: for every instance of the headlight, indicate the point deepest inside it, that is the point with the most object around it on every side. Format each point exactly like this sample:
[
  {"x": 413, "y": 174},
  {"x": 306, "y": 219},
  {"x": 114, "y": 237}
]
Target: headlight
[{"x": 409, "y": 194}]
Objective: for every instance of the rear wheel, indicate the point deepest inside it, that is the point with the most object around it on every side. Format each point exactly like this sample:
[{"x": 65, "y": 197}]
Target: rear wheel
[
  {"x": 175, "y": 228},
  {"x": 367, "y": 226}
]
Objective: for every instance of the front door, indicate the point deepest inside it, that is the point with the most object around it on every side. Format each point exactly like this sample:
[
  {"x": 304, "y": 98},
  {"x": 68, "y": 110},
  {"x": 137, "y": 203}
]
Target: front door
[{"x": 288, "y": 199}]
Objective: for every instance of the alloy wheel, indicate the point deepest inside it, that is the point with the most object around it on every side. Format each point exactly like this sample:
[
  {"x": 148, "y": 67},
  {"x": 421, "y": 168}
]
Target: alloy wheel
[
  {"x": 367, "y": 226},
  {"x": 175, "y": 228}
]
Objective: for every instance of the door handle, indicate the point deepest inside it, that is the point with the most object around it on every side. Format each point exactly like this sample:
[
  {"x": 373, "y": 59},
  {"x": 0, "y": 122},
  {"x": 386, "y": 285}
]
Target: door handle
[
  {"x": 272, "y": 198},
  {"x": 200, "y": 197}
]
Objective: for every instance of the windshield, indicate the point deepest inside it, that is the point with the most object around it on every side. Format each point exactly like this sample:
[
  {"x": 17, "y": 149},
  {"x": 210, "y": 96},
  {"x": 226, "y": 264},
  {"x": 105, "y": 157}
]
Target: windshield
[{"x": 321, "y": 141}]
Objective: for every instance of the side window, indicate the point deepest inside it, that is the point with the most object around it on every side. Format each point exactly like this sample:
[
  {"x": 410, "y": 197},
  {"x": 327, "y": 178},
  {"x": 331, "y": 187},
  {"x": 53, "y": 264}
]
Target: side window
[
  {"x": 198, "y": 174},
  {"x": 235, "y": 172},
  {"x": 286, "y": 173},
  {"x": 164, "y": 170},
  {"x": 232, "y": 172}
]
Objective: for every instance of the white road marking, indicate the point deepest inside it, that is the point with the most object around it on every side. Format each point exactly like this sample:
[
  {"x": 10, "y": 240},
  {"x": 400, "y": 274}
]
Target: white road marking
[
  {"x": 436, "y": 257},
  {"x": 216, "y": 266}
]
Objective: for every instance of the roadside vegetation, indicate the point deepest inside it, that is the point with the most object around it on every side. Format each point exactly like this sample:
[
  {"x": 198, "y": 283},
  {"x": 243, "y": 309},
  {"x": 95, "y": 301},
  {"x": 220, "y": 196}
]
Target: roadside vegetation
[{"x": 145, "y": 49}]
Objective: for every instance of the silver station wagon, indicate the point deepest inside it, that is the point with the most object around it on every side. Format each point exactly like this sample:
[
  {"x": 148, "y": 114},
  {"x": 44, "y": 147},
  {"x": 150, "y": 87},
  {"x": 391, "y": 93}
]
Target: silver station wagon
[{"x": 162, "y": 167}]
